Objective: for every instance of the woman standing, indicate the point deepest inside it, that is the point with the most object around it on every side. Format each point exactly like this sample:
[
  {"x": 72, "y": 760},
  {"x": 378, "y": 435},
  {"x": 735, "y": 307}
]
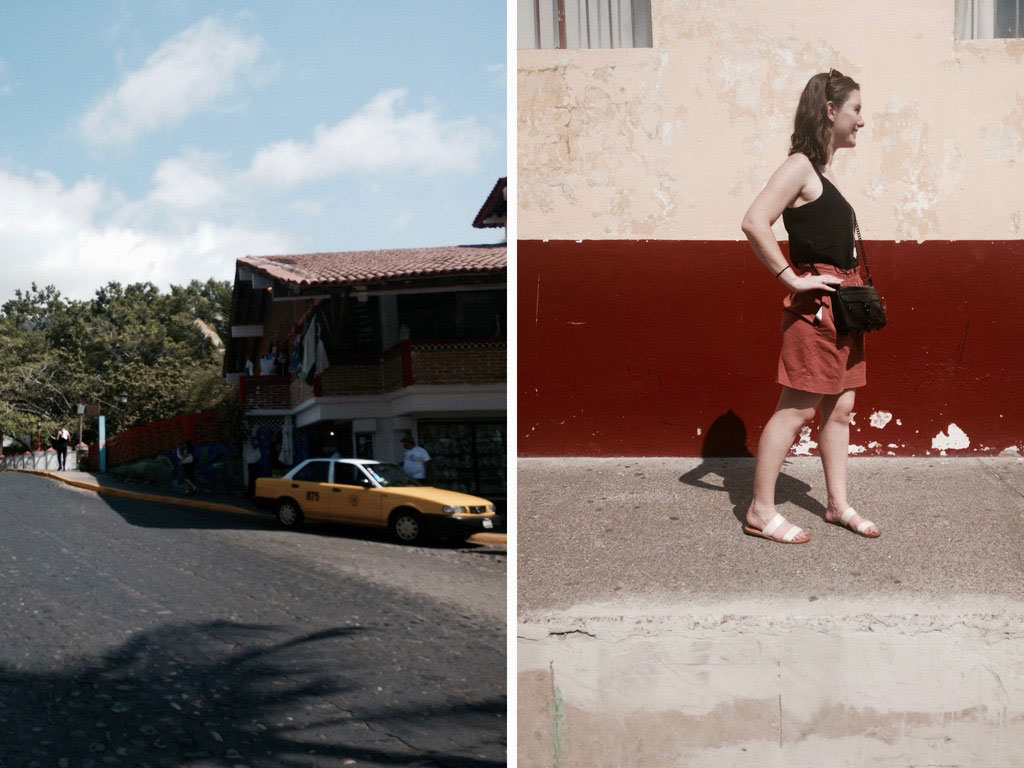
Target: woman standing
[{"x": 819, "y": 370}]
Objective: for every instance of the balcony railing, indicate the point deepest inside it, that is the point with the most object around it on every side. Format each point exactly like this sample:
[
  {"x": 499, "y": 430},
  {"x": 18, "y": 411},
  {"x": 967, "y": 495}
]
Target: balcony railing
[{"x": 423, "y": 362}]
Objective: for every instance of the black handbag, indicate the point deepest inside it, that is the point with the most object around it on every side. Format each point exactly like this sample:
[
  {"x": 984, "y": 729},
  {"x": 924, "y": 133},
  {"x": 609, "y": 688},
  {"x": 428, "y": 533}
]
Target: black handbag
[{"x": 857, "y": 308}]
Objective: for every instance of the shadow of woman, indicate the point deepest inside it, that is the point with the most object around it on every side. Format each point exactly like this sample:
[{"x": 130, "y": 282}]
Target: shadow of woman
[{"x": 726, "y": 455}]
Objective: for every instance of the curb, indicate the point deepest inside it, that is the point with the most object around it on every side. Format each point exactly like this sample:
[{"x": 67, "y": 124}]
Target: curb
[
  {"x": 489, "y": 538},
  {"x": 97, "y": 488},
  {"x": 479, "y": 538}
]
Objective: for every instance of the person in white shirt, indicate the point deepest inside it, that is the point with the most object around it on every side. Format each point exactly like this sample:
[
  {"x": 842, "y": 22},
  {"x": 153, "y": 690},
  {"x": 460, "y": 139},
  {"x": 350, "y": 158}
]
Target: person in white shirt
[
  {"x": 60, "y": 442},
  {"x": 416, "y": 462}
]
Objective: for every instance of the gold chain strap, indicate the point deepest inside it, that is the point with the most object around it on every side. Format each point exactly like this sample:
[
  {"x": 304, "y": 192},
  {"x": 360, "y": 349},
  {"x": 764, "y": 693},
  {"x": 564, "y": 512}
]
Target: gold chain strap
[{"x": 863, "y": 255}]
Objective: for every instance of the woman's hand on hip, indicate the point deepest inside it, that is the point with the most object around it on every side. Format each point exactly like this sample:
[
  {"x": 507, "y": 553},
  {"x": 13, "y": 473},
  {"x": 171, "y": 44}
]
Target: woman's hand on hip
[{"x": 804, "y": 283}]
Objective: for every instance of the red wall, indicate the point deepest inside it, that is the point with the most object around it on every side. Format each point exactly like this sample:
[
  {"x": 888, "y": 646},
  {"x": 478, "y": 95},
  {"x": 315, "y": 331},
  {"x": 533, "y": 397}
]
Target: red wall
[
  {"x": 627, "y": 348},
  {"x": 164, "y": 435}
]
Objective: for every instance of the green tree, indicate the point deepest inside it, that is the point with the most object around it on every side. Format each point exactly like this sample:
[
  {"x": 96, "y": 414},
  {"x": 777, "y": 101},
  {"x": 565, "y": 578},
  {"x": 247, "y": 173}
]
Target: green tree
[{"x": 162, "y": 349}]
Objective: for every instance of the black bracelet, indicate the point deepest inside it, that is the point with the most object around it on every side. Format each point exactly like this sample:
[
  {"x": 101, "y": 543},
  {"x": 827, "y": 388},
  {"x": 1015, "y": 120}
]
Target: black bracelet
[{"x": 782, "y": 270}]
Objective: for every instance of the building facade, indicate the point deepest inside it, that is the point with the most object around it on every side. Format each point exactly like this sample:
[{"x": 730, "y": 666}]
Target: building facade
[
  {"x": 646, "y": 324},
  {"x": 346, "y": 353}
]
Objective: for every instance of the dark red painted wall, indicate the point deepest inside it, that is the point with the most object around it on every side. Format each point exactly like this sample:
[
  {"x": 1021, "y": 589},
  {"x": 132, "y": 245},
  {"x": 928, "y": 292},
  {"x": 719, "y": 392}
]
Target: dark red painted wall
[{"x": 627, "y": 348}]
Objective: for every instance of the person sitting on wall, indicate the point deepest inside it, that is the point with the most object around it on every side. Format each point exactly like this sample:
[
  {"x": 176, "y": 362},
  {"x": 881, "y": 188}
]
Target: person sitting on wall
[{"x": 416, "y": 462}]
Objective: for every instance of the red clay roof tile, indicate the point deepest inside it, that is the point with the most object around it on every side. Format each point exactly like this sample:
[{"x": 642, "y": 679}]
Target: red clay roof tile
[{"x": 358, "y": 267}]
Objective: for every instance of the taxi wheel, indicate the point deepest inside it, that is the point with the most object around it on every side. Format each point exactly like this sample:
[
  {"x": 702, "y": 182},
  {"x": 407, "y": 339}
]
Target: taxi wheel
[
  {"x": 288, "y": 514},
  {"x": 408, "y": 528}
]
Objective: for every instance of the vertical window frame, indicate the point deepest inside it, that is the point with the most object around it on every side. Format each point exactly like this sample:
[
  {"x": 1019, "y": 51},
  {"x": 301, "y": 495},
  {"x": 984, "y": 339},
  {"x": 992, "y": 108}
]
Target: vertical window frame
[{"x": 575, "y": 27}]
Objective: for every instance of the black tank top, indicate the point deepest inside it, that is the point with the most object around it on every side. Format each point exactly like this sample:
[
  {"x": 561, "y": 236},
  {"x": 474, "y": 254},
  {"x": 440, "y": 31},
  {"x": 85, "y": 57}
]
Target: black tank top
[{"x": 821, "y": 231}]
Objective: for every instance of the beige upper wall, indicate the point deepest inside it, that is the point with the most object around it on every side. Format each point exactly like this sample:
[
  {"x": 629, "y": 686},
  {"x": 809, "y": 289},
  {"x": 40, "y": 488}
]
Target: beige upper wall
[{"x": 674, "y": 141}]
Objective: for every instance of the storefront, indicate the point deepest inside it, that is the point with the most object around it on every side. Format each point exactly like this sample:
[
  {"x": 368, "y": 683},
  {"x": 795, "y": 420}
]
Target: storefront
[{"x": 467, "y": 456}]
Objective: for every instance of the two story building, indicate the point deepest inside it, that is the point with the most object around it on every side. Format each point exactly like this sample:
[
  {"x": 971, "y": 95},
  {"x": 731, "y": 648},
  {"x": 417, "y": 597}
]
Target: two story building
[{"x": 346, "y": 353}]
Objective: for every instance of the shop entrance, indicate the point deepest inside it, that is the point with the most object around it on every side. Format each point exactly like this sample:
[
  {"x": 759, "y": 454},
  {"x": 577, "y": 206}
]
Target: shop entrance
[{"x": 467, "y": 456}]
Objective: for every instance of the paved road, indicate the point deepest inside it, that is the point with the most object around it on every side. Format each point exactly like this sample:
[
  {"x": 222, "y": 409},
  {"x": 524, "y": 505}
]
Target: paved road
[{"x": 145, "y": 635}]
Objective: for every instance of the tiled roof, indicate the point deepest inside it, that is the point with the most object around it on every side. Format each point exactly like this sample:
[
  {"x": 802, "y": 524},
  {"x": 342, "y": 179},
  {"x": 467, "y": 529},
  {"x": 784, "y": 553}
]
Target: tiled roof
[
  {"x": 358, "y": 267},
  {"x": 493, "y": 212}
]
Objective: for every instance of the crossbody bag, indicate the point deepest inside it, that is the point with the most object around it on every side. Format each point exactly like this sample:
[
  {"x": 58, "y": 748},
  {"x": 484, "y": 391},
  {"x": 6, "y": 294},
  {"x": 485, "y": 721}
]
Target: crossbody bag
[{"x": 857, "y": 308}]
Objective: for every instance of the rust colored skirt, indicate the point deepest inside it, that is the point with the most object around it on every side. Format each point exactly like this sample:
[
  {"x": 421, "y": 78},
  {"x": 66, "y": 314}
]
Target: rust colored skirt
[{"x": 814, "y": 357}]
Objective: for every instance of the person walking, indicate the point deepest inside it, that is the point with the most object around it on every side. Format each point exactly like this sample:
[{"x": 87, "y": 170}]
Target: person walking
[
  {"x": 186, "y": 457},
  {"x": 60, "y": 444},
  {"x": 819, "y": 369},
  {"x": 416, "y": 461}
]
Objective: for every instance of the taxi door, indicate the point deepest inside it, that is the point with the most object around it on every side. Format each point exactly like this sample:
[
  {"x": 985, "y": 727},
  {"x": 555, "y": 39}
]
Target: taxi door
[
  {"x": 353, "y": 497},
  {"x": 310, "y": 488}
]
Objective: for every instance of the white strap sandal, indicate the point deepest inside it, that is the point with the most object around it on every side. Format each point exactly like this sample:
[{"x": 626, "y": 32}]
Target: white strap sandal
[
  {"x": 862, "y": 528},
  {"x": 768, "y": 532}
]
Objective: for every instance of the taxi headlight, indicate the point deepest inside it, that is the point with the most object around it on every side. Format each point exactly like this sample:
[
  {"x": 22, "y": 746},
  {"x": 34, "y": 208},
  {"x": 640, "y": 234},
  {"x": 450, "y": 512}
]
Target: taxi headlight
[
  {"x": 453, "y": 510},
  {"x": 490, "y": 507}
]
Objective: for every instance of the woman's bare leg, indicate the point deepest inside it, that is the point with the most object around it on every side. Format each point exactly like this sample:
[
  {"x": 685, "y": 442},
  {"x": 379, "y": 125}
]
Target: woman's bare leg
[
  {"x": 794, "y": 409},
  {"x": 834, "y": 445}
]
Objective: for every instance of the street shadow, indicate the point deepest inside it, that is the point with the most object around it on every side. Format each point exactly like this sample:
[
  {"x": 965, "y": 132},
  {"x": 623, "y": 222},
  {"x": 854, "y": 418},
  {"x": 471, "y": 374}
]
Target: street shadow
[
  {"x": 725, "y": 455},
  {"x": 227, "y": 694},
  {"x": 153, "y": 514},
  {"x": 159, "y": 514}
]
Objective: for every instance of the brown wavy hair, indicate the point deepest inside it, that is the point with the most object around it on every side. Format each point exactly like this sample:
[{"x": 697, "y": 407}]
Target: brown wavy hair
[{"x": 812, "y": 130}]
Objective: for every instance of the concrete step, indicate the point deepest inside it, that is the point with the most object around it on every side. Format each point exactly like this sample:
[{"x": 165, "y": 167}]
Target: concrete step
[
  {"x": 653, "y": 633},
  {"x": 909, "y": 682}
]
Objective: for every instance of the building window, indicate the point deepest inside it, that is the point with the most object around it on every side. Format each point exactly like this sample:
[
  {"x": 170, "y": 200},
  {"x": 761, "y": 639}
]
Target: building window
[
  {"x": 988, "y": 19},
  {"x": 453, "y": 315},
  {"x": 584, "y": 23},
  {"x": 350, "y": 326}
]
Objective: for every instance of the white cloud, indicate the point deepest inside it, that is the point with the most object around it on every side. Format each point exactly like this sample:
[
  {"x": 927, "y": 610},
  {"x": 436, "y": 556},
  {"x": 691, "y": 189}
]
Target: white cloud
[
  {"x": 187, "y": 73},
  {"x": 81, "y": 237},
  {"x": 375, "y": 139},
  {"x": 189, "y": 181}
]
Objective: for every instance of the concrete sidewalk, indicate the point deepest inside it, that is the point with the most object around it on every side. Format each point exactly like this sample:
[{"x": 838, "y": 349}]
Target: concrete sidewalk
[
  {"x": 107, "y": 484},
  {"x": 653, "y": 633}
]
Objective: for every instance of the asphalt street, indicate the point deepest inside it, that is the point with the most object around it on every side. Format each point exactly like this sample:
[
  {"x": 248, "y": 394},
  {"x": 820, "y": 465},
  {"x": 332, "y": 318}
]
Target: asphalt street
[{"x": 144, "y": 634}]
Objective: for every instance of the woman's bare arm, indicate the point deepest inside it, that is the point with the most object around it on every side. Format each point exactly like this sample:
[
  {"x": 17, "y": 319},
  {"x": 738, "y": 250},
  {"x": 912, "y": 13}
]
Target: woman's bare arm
[{"x": 784, "y": 186}]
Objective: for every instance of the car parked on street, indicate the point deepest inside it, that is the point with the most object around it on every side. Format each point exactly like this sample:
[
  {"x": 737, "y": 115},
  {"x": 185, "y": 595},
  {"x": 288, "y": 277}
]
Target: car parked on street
[{"x": 372, "y": 493}]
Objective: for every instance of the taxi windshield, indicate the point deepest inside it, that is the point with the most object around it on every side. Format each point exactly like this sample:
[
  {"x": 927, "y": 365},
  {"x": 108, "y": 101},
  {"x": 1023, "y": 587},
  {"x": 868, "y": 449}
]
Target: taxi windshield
[{"x": 389, "y": 474}]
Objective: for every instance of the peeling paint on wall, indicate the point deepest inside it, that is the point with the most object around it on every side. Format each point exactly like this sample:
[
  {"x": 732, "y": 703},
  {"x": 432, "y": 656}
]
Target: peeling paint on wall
[
  {"x": 640, "y": 372},
  {"x": 678, "y": 138},
  {"x": 955, "y": 440},
  {"x": 880, "y": 418},
  {"x": 804, "y": 446}
]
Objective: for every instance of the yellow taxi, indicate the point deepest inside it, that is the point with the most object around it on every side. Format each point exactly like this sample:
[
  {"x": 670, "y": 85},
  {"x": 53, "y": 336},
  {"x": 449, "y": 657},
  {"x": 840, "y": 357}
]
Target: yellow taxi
[{"x": 372, "y": 493}]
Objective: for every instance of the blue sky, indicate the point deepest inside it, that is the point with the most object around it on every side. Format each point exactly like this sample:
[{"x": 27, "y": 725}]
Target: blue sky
[{"x": 162, "y": 140}]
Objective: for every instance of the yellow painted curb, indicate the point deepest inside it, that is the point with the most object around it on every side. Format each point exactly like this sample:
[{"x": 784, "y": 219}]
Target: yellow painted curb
[
  {"x": 489, "y": 538},
  {"x": 479, "y": 538},
  {"x": 97, "y": 488}
]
